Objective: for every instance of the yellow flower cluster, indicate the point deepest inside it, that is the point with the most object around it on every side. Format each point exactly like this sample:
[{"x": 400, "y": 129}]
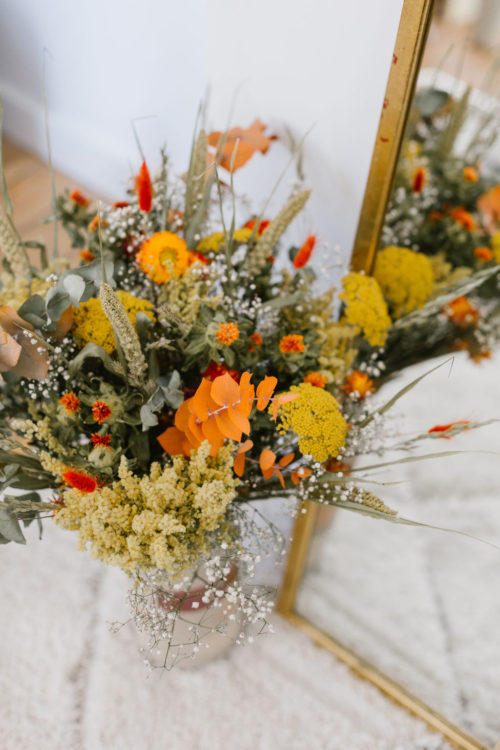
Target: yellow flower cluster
[
  {"x": 91, "y": 324},
  {"x": 185, "y": 294},
  {"x": 15, "y": 290},
  {"x": 214, "y": 242},
  {"x": 365, "y": 307},
  {"x": 316, "y": 419},
  {"x": 159, "y": 520},
  {"x": 495, "y": 246},
  {"x": 405, "y": 277},
  {"x": 444, "y": 274}
]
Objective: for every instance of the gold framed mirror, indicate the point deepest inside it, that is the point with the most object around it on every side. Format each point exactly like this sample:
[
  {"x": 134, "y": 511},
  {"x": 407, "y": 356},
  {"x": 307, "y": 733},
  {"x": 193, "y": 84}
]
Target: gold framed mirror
[{"x": 313, "y": 519}]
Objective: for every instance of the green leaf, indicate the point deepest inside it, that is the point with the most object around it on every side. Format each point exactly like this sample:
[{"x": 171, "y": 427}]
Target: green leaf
[
  {"x": 10, "y": 527},
  {"x": 92, "y": 351}
]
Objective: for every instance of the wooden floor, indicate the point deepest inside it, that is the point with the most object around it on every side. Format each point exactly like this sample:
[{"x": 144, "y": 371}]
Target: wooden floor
[{"x": 28, "y": 180}]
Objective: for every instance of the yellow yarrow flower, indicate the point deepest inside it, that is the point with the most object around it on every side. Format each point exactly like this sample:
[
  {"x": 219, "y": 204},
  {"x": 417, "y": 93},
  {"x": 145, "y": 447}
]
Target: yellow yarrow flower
[
  {"x": 214, "y": 242},
  {"x": 316, "y": 419},
  {"x": 405, "y": 277},
  {"x": 91, "y": 324},
  {"x": 365, "y": 307}
]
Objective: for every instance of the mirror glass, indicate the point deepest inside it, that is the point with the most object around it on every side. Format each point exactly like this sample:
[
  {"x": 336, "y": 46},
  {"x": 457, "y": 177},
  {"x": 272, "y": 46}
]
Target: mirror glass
[{"x": 419, "y": 604}]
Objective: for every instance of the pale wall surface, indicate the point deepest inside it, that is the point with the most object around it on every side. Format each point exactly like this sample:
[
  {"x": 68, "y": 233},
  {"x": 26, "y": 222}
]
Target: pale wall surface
[{"x": 320, "y": 64}]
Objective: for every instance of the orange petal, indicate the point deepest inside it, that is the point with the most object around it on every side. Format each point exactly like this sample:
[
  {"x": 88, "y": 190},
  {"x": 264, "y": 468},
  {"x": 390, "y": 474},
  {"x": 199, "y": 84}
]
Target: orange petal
[
  {"x": 211, "y": 432},
  {"x": 286, "y": 460},
  {"x": 239, "y": 464},
  {"x": 227, "y": 427},
  {"x": 265, "y": 390},
  {"x": 280, "y": 477},
  {"x": 240, "y": 420},
  {"x": 202, "y": 401},
  {"x": 268, "y": 473},
  {"x": 194, "y": 426},
  {"x": 182, "y": 415},
  {"x": 267, "y": 459},
  {"x": 244, "y": 447},
  {"x": 172, "y": 441},
  {"x": 225, "y": 390}
]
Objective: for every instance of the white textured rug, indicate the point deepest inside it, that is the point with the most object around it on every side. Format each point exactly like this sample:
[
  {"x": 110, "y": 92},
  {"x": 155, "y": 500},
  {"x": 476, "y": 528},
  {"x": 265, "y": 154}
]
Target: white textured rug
[{"x": 68, "y": 683}]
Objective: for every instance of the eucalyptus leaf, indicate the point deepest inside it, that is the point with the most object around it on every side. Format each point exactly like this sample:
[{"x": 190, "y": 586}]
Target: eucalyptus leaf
[
  {"x": 93, "y": 351},
  {"x": 10, "y": 527}
]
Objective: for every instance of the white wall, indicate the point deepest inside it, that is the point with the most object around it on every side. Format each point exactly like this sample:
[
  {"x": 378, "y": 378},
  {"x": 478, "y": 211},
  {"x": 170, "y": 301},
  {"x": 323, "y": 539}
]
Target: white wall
[{"x": 320, "y": 63}]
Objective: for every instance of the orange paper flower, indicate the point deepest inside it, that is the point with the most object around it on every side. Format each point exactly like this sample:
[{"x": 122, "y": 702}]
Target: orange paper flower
[
  {"x": 464, "y": 218},
  {"x": 227, "y": 333},
  {"x": 461, "y": 312},
  {"x": 358, "y": 383},
  {"x": 71, "y": 402},
  {"x": 316, "y": 379},
  {"x": 294, "y": 342},
  {"x": 79, "y": 198},
  {"x": 144, "y": 188},
  {"x": 484, "y": 254},
  {"x": 100, "y": 411},
  {"x": 79, "y": 481},
  {"x": 304, "y": 252}
]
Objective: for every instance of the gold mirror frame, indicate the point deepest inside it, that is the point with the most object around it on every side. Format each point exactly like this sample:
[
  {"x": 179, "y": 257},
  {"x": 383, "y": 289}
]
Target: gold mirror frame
[{"x": 408, "y": 51}]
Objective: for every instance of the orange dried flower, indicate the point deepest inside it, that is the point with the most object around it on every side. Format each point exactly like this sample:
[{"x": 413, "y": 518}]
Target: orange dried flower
[
  {"x": 294, "y": 342},
  {"x": 419, "y": 179},
  {"x": 479, "y": 356},
  {"x": 100, "y": 411},
  {"x": 97, "y": 439},
  {"x": 464, "y": 218},
  {"x": 435, "y": 216},
  {"x": 121, "y": 204},
  {"x": 227, "y": 333},
  {"x": 71, "y": 402},
  {"x": 470, "y": 174},
  {"x": 304, "y": 252},
  {"x": 79, "y": 198},
  {"x": 216, "y": 369},
  {"x": 461, "y": 312},
  {"x": 94, "y": 224},
  {"x": 79, "y": 481},
  {"x": 162, "y": 255},
  {"x": 316, "y": 379},
  {"x": 246, "y": 141},
  {"x": 358, "y": 383},
  {"x": 257, "y": 341},
  {"x": 87, "y": 255},
  {"x": 144, "y": 188},
  {"x": 446, "y": 428},
  {"x": 484, "y": 254},
  {"x": 263, "y": 225}
]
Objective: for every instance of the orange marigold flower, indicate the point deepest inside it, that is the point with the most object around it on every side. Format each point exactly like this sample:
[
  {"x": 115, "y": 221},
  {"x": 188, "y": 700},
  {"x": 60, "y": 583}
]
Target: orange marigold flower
[
  {"x": 87, "y": 255},
  {"x": 470, "y": 174},
  {"x": 294, "y": 342},
  {"x": 162, "y": 255},
  {"x": 97, "y": 439},
  {"x": 461, "y": 312},
  {"x": 215, "y": 369},
  {"x": 227, "y": 333},
  {"x": 316, "y": 379},
  {"x": 304, "y": 252},
  {"x": 95, "y": 223},
  {"x": 464, "y": 218},
  {"x": 79, "y": 481},
  {"x": 257, "y": 341},
  {"x": 484, "y": 254},
  {"x": 144, "y": 188},
  {"x": 419, "y": 179},
  {"x": 70, "y": 401},
  {"x": 358, "y": 383},
  {"x": 446, "y": 428},
  {"x": 100, "y": 411},
  {"x": 262, "y": 226},
  {"x": 79, "y": 198}
]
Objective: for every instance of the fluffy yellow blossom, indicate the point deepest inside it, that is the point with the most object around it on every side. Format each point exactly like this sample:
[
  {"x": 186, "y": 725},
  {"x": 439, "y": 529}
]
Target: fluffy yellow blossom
[
  {"x": 365, "y": 307},
  {"x": 15, "y": 290},
  {"x": 444, "y": 274},
  {"x": 214, "y": 242},
  {"x": 316, "y": 419},
  {"x": 91, "y": 324},
  {"x": 405, "y": 278},
  {"x": 158, "y": 520}
]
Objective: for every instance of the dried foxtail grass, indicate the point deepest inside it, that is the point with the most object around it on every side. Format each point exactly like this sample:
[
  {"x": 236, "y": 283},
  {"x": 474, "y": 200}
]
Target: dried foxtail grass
[
  {"x": 194, "y": 178},
  {"x": 268, "y": 239},
  {"x": 126, "y": 336}
]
